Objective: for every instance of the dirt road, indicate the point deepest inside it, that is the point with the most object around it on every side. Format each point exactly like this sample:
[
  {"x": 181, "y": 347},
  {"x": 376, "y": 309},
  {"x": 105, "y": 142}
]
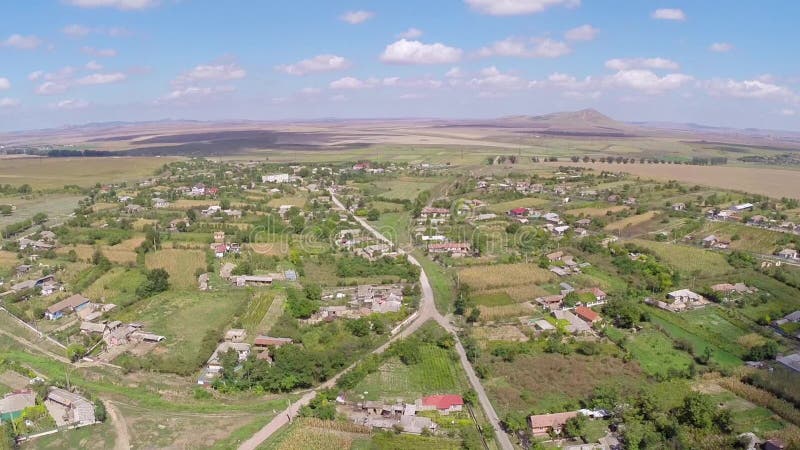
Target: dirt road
[{"x": 123, "y": 441}]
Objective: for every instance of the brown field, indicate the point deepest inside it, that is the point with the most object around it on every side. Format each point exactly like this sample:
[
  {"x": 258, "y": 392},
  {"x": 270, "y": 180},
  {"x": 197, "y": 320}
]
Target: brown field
[
  {"x": 503, "y": 275},
  {"x": 298, "y": 201},
  {"x": 185, "y": 203},
  {"x": 7, "y": 259},
  {"x": 505, "y": 311},
  {"x": 139, "y": 224},
  {"x": 114, "y": 254},
  {"x": 104, "y": 206},
  {"x": 631, "y": 221},
  {"x": 594, "y": 211},
  {"x": 44, "y": 173},
  {"x": 181, "y": 265},
  {"x": 757, "y": 180},
  {"x": 499, "y": 333}
]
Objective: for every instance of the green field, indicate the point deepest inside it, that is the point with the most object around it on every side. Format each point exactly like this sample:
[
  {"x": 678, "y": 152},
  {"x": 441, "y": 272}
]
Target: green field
[
  {"x": 54, "y": 173},
  {"x": 436, "y": 373},
  {"x": 56, "y": 206},
  {"x": 493, "y": 299},
  {"x": 689, "y": 259},
  {"x": 527, "y": 202},
  {"x": 395, "y": 225},
  {"x": 656, "y": 354},
  {"x": 441, "y": 283},
  {"x": 256, "y": 310}
]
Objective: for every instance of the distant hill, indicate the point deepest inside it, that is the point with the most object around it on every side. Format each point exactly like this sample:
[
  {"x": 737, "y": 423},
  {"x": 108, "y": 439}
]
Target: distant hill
[{"x": 589, "y": 122}]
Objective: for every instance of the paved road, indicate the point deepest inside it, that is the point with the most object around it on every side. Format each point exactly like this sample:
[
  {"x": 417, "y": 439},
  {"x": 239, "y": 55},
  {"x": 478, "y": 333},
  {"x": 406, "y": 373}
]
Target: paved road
[{"x": 427, "y": 310}]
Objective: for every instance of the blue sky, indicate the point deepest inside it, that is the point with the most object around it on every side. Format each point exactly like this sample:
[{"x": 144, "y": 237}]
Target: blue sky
[{"x": 714, "y": 62}]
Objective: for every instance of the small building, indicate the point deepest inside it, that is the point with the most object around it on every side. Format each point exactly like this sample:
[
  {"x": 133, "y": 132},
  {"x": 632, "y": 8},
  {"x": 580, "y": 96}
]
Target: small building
[
  {"x": 92, "y": 328},
  {"x": 550, "y": 302},
  {"x": 70, "y": 304},
  {"x": 264, "y": 342},
  {"x": 445, "y": 404},
  {"x": 685, "y": 296},
  {"x": 253, "y": 280},
  {"x": 276, "y": 178},
  {"x": 454, "y": 249},
  {"x": 788, "y": 253},
  {"x": 68, "y": 408},
  {"x": 679, "y": 206},
  {"x": 236, "y": 335},
  {"x": 543, "y": 424},
  {"x": 587, "y": 314}
]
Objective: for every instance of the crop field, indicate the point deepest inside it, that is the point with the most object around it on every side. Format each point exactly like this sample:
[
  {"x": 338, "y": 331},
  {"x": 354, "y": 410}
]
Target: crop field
[
  {"x": 405, "y": 188},
  {"x": 631, "y": 222},
  {"x": 656, "y": 354},
  {"x": 56, "y": 206},
  {"x": 493, "y": 299},
  {"x": 116, "y": 286},
  {"x": 505, "y": 311},
  {"x": 550, "y": 382},
  {"x": 436, "y": 373},
  {"x": 499, "y": 333},
  {"x": 527, "y": 202},
  {"x": 746, "y": 415},
  {"x": 321, "y": 435},
  {"x": 751, "y": 239},
  {"x": 595, "y": 211},
  {"x": 298, "y": 201},
  {"x": 47, "y": 173},
  {"x": 187, "y": 203},
  {"x": 504, "y": 275},
  {"x": 395, "y": 226},
  {"x": 180, "y": 264},
  {"x": 256, "y": 310},
  {"x": 114, "y": 254},
  {"x": 689, "y": 259},
  {"x": 774, "y": 183},
  {"x": 7, "y": 259}
]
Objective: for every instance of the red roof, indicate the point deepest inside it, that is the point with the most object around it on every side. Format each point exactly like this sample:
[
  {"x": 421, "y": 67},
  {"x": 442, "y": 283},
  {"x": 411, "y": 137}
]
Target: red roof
[
  {"x": 586, "y": 314},
  {"x": 519, "y": 211},
  {"x": 220, "y": 248},
  {"x": 443, "y": 401}
]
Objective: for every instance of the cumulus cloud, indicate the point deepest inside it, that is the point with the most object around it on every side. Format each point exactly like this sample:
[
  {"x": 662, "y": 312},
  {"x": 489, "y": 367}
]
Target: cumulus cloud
[
  {"x": 405, "y": 51},
  {"x": 491, "y": 78},
  {"x": 357, "y": 17},
  {"x": 194, "y": 92},
  {"x": 755, "y": 89},
  {"x": 411, "y": 33},
  {"x": 79, "y": 31},
  {"x": 526, "y": 48},
  {"x": 581, "y": 33},
  {"x": 720, "y": 47},
  {"x": 51, "y": 88},
  {"x": 99, "y": 52},
  {"x": 319, "y": 63},
  {"x": 7, "y": 102},
  {"x": 647, "y": 81},
  {"x": 4, "y": 84},
  {"x": 70, "y": 104},
  {"x": 642, "y": 63},
  {"x": 212, "y": 72},
  {"x": 454, "y": 72},
  {"x": 21, "y": 42},
  {"x": 349, "y": 83},
  {"x": 125, "y": 5},
  {"x": 93, "y": 65},
  {"x": 669, "y": 14},
  {"x": 101, "y": 78},
  {"x": 517, "y": 7}
]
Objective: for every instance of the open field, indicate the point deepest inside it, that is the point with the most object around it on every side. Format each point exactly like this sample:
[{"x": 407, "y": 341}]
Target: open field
[
  {"x": 595, "y": 211},
  {"x": 116, "y": 286},
  {"x": 758, "y": 180},
  {"x": 751, "y": 239},
  {"x": 503, "y": 275},
  {"x": 181, "y": 265},
  {"x": 49, "y": 173},
  {"x": 527, "y": 202},
  {"x": 56, "y": 206},
  {"x": 632, "y": 221},
  {"x": 656, "y": 355},
  {"x": 689, "y": 259}
]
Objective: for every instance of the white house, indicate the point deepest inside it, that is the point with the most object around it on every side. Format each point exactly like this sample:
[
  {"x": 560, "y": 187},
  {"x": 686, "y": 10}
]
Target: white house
[{"x": 276, "y": 178}]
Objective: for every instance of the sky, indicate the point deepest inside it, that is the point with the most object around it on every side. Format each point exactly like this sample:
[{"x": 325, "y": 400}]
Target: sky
[{"x": 721, "y": 63}]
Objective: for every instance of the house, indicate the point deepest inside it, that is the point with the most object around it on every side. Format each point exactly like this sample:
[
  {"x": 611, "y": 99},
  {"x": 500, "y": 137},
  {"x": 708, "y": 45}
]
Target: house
[
  {"x": 235, "y": 335},
  {"x": 202, "y": 281},
  {"x": 445, "y": 404},
  {"x": 599, "y": 295},
  {"x": 709, "y": 240},
  {"x": 560, "y": 230},
  {"x": 13, "y": 404},
  {"x": 560, "y": 271},
  {"x": 47, "y": 236},
  {"x": 241, "y": 348},
  {"x": 555, "y": 256},
  {"x": 253, "y": 280},
  {"x": 788, "y": 253},
  {"x": 543, "y": 424},
  {"x": 219, "y": 250},
  {"x": 198, "y": 190},
  {"x": 434, "y": 212},
  {"x": 584, "y": 222},
  {"x": 160, "y": 203},
  {"x": 91, "y": 327},
  {"x": 133, "y": 209},
  {"x": 791, "y": 361},
  {"x": 361, "y": 166},
  {"x": 276, "y": 178},
  {"x": 65, "y": 306},
  {"x": 587, "y": 314},
  {"x": 264, "y": 342},
  {"x": 774, "y": 444},
  {"x": 543, "y": 325},
  {"x": 550, "y": 302},
  {"x": 68, "y": 408},
  {"x": 679, "y": 206},
  {"x": 51, "y": 287},
  {"x": 455, "y": 249},
  {"x": 576, "y": 325},
  {"x": 742, "y": 207},
  {"x": 518, "y": 212},
  {"x": 684, "y": 295}
]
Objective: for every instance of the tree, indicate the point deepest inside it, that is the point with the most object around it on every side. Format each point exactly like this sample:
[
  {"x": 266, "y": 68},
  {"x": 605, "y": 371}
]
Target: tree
[
  {"x": 576, "y": 426},
  {"x": 359, "y": 327},
  {"x": 697, "y": 411},
  {"x": 156, "y": 281},
  {"x": 373, "y": 215},
  {"x": 75, "y": 352},
  {"x": 100, "y": 413},
  {"x": 474, "y": 315}
]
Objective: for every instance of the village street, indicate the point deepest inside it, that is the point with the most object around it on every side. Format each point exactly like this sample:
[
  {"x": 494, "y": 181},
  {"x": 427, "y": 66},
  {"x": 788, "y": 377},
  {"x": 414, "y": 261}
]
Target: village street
[{"x": 427, "y": 310}]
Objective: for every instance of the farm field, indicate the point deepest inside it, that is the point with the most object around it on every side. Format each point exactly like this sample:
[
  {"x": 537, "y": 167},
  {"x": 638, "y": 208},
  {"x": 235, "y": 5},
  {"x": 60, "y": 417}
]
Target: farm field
[
  {"x": 116, "y": 286},
  {"x": 395, "y": 226},
  {"x": 405, "y": 188},
  {"x": 56, "y": 206},
  {"x": 656, "y": 354},
  {"x": 688, "y": 259},
  {"x": 595, "y": 211},
  {"x": 503, "y": 275},
  {"x": 751, "y": 239},
  {"x": 54, "y": 173},
  {"x": 631, "y": 222},
  {"x": 181, "y": 265},
  {"x": 528, "y": 202}
]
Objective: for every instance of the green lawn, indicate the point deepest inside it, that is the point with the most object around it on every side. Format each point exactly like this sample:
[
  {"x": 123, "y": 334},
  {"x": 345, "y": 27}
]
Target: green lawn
[
  {"x": 688, "y": 259},
  {"x": 395, "y": 225},
  {"x": 441, "y": 283},
  {"x": 436, "y": 373},
  {"x": 656, "y": 354},
  {"x": 493, "y": 299}
]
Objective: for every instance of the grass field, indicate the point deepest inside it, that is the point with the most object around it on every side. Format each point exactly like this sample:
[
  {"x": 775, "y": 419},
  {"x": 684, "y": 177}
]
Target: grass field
[
  {"x": 493, "y": 299},
  {"x": 117, "y": 286},
  {"x": 95, "y": 437},
  {"x": 436, "y": 373},
  {"x": 655, "y": 353},
  {"x": 750, "y": 238},
  {"x": 504, "y": 275},
  {"x": 395, "y": 226},
  {"x": 309, "y": 433},
  {"x": 527, "y": 202},
  {"x": 114, "y": 254},
  {"x": 56, "y": 206},
  {"x": 297, "y": 200},
  {"x": 631, "y": 222},
  {"x": 256, "y": 310},
  {"x": 405, "y": 188},
  {"x": 49, "y": 173},
  {"x": 181, "y": 265},
  {"x": 441, "y": 283},
  {"x": 689, "y": 259},
  {"x": 595, "y": 211}
]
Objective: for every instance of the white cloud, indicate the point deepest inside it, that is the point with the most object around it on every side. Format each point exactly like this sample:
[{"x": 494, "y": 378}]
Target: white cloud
[
  {"x": 319, "y": 63},
  {"x": 411, "y": 96},
  {"x": 99, "y": 52},
  {"x": 492, "y": 78},
  {"x": 338, "y": 98},
  {"x": 356, "y": 17},
  {"x": 646, "y": 81},
  {"x": 788, "y": 112},
  {"x": 566, "y": 81},
  {"x": 310, "y": 91},
  {"x": 411, "y": 33},
  {"x": 21, "y": 42},
  {"x": 517, "y": 7},
  {"x": 522, "y": 48},
  {"x": 4, "y": 84},
  {"x": 349, "y": 83},
  {"x": 36, "y": 75},
  {"x": 417, "y": 83},
  {"x": 194, "y": 92},
  {"x": 641, "y": 63},
  {"x": 101, "y": 78},
  {"x": 755, "y": 89},
  {"x": 720, "y": 47},
  {"x": 52, "y": 88},
  {"x": 454, "y": 72},
  {"x": 76, "y": 30},
  {"x": 70, "y": 104},
  {"x": 415, "y": 52},
  {"x": 9, "y": 102},
  {"x": 94, "y": 65},
  {"x": 582, "y": 33},
  {"x": 212, "y": 72},
  {"x": 118, "y": 4},
  {"x": 668, "y": 14}
]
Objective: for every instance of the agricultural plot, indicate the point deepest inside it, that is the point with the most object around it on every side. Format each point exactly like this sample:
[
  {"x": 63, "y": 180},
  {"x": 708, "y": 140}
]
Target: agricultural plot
[
  {"x": 296, "y": 200},
  {"x": 182, "y": 265},
  {"x": 656, "y": 354},
  {"x": 55, "y": 173},
  {"x": 436, "y": 373},
  {"x": 503, "y": 275},
  {"x": 631, "y": 222},
  {"x": 595, "y": 211},
  {"x": 56, "y": 206},
  {"x": 395, "y": 226},
  {"x": 115, "y": 255},
  {"x": 527, "y": 202},
  {"x": 405, "y": 188},
  {"x": 256, "y": 311},
  {"x": 746, "y": 416},
  {"x": 750, "y": 239},
  {"x": 688, "y": 259},
  {"x": 116, "y": 286}
]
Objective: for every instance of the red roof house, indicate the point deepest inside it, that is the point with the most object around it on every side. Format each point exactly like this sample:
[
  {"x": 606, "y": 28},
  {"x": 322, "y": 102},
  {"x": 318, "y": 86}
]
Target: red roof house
[
  {"x": 587, "y": 314},
  {"x": 443, "y": 403},
  {"x": 518, "y": 212}
]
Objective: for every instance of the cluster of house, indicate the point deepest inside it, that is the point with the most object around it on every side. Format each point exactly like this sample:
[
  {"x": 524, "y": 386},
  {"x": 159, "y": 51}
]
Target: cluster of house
[
  {"x": 564, "y": 264},
  {"x": 403, "y": 416},
  {"x": 47, "y": 284},
  {"x": 234, "y": 339},
  {"x": 365, "y": 300},
  {"x": 712, "y": 241},
  {"x": 84, "y": 308},
  {"x": 729, "y": 290},
  {"x": 543, "y": 425},
  {"x": 65, "y": 407},
  {"x": 578, "y": 319},
  {"x": 46, "y": 241},
  {"x": 199, "y": 190},
  {"x": 222, "y": 248},
  {"x": 680, "y": 300},
  {"x": 115, "y": 333},
  {"x": 215, "y": 209}
]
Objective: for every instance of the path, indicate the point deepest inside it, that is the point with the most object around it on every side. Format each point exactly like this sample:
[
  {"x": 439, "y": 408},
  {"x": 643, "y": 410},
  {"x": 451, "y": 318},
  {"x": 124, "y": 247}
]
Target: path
[
  {"x": 123, "y": 441},
  {"x": 427, "y": 310}
]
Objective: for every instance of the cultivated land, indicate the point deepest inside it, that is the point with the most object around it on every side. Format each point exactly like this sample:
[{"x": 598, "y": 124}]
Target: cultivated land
[{"x": 166, "y": 240}]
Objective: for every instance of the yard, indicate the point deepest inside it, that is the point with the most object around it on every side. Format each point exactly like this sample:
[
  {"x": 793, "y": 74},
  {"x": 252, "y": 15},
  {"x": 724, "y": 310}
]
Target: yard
[
  {"x": 182, "y": 265},
  {"x": 688, "y": 259},
  {"x": 656, "y": 354}
]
